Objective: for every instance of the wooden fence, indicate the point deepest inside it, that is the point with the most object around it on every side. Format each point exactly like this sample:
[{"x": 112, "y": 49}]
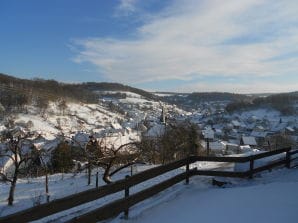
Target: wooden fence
[{"x": 122, "y": 205}]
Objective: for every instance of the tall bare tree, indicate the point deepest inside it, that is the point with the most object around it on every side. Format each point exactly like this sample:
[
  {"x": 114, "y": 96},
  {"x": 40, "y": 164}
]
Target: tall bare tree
[
  {"x": 110, "y": 157},
  {"x": 19, "y": 154}
]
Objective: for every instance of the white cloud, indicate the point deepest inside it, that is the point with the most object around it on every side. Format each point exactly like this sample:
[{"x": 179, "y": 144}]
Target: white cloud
[
  {"x": 252, "y": 87},
  {"x": 201, "y": 37},
  {"x": 126, "y": 7}
]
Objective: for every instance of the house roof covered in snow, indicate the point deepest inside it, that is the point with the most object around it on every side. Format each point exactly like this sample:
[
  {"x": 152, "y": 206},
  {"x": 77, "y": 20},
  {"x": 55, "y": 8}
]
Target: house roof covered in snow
[
  {"x": 235, "y": 123},
  {"x": 290, "y": 129},
  {"x": 259, "y": 134},
  {"x": 208, "y": 133},
  {"x": 248, "y": 140},
  {"x": 155, "y": 131}
]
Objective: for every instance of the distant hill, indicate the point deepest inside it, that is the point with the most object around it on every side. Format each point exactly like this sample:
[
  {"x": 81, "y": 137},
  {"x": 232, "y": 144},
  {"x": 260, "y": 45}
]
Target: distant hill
[
  {"x": 192, "y": 100},
  {"x": 17, "y": 92},
  {"x": 216, "y": 96},
  {"x": 286, "y": 103},
  {"x": 21, "y": 91},
  {"x": 104, "y": 86}
]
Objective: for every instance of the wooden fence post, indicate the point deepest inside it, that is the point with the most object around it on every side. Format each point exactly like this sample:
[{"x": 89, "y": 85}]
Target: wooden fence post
[
  {"x": 126, "y": 194},
  {"x": 251, "y": 167},
  {"x": 187, "y": 173},
  {"x": 208, "y": 147},
  {"x": 89, "y": 172},
  {"x": 288, "y": 159},
  {"x": 96, "y": 182},
  {"x": 47, "y": 187}
]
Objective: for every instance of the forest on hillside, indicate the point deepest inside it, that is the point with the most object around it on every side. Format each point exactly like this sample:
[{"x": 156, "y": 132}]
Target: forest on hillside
[
  {"x": 104, "y": 86},
  {"x": 286, "y": 103},
  {"x": 16, "y": 92}
]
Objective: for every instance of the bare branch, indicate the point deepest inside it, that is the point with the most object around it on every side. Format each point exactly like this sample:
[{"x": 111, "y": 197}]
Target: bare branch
[
  {"x": 7, "y": 155},
  {"x": 124, "y": 145},
  {"x": 126, "y": 165},
  {"x": 5, "y": 178}
]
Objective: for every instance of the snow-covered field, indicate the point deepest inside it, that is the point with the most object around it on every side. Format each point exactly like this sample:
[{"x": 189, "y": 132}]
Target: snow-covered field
[
  {"x": 270, "y": 197},
  {"x": 31, "y": 191}
]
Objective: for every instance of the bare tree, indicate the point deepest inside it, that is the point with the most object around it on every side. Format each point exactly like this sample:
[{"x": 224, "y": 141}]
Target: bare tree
[
  {"x": 42, "y": 103},
  {"x": 62, "y": 106},
  {"x": 99, "y": 153},
  {"x": 19, "y": 155},
  {"x": 93, "y": 153},
  {"x": 111, "y": 158},
  {"x": 179, "y": 140},
  {"x": 117, "y": 158},
  {"x": 2, "y": 110}
]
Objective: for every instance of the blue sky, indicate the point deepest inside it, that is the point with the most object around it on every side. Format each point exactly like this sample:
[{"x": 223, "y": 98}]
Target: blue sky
[{"x": 245, "y": 46}]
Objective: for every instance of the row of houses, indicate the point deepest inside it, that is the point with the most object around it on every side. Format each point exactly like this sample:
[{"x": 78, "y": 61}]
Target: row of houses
[{"x": 238, "y": 135}]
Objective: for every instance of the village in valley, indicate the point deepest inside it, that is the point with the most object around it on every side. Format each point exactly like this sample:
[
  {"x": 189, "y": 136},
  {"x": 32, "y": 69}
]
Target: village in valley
[
  {"x": 127, "y": 119},
  {"x": 119, "y": 124},
  {"x": 141, "y": 111}
]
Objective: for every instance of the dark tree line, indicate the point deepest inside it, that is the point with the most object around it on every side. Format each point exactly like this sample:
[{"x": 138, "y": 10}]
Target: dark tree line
[
  {"x": 216, "y": 96},
  {"x": 281, "y": 102},
  {"x": 118, "y": 87},
  {"x": 16, "y": 92}
]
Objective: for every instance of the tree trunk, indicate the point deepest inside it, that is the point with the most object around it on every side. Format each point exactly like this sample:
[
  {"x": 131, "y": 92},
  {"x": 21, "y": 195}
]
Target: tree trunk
[
  {"x": 47, "y": 182},
  {"x": 12, "y": 189},
  {"x": 89, "y": 173},
  {"x": 106, "y": 176}
]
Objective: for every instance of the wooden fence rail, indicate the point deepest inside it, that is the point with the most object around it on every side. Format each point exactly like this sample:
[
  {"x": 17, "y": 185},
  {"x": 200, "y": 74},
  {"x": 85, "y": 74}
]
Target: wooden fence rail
[
  {"x": 291, "y": 154},
  {"x": 71, "y": 201},
  {"x": 120, "y": 205}
]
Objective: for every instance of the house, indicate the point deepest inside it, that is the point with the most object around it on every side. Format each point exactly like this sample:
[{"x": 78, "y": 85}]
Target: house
[
  {"x": 260, "y": 135},
  {"x": 216, "y": 147},
  {"x": 234, "y": 133},
  {"x": 208, "y": 134},
  {"x": 252, "y": 119},
  {"x": 235, "y": 124},
  {"x": 230, "y": 148},
  {"x": 259, "y": 128},
  {"x": 8, "y": 156},
  {"x": 81, "y": 139},
  {"x": 289, "y": 130},
  {"x": 248, "y": 140},
  {"x": 218, "y": 132},
  {"x": 156, "y": 131}
]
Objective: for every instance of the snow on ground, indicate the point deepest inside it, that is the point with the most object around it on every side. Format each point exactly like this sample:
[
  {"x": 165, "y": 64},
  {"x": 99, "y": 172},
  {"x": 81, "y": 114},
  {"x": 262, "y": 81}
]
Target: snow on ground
[
  {"x": 131, "y": 94},
  {"x": 271, "y": 197},
  {"x": 135, "y": 100},
  {"x": 76, "y": 117},
  {"x": 30, "y": 190},
  {"x": 261, "y": 113},
  {"x": 39, "y": 124},
  {"x": 162, "y": 94}
]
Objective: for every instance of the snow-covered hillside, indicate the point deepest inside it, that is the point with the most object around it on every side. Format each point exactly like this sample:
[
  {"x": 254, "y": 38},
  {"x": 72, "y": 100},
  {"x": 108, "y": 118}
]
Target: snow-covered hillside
[
  {"x": 76, "y": 117},
  {"x": 116, "y": 121}
]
